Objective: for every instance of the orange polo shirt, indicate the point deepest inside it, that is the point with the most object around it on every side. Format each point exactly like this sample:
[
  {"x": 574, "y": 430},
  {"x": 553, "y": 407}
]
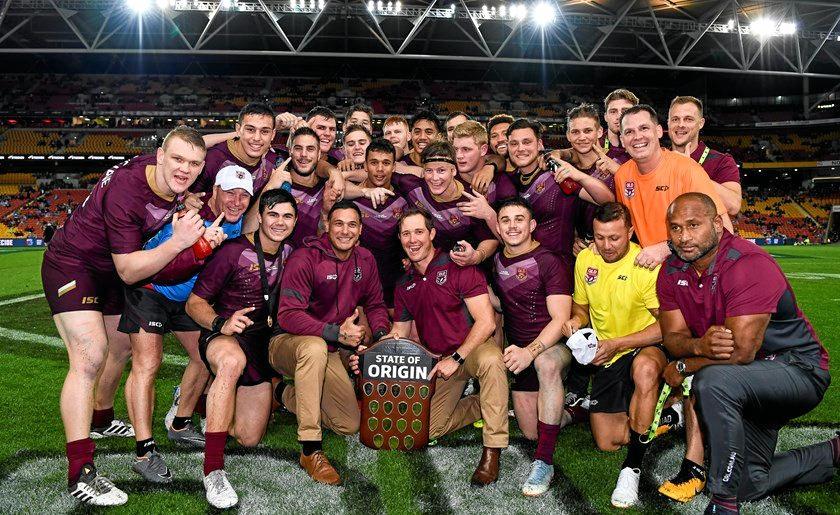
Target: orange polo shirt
[{"x": 648, "y": 196}]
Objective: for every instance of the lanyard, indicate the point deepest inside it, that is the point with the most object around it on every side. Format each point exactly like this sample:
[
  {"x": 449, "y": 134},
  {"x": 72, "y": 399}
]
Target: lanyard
[
  {"x": 269, "y": 294},
  {"x": 703, "y": 156}
]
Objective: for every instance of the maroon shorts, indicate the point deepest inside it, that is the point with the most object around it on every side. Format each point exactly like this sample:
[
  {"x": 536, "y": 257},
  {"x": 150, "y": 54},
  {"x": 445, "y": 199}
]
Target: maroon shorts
[
  {"x": 254, "y": 344},
  {"x": 70, "y": 286}
]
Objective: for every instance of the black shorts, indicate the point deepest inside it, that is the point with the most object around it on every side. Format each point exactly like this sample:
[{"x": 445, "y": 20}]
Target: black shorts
[
  {"x": 254, "y": 344},
  {"x": 153, "y": 312},
  {"x": 613, "y": 387},
  {"x": 525, "y": 381},
  {"x": 70, "y": 285}
]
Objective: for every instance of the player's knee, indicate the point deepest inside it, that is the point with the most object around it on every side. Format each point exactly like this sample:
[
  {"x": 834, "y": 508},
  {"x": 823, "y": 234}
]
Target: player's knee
[
  {"x": 529, "y": 433},
  {"x": 607, "y": 442},
  {"x": 89, "y": 363},
  {"x": 230, "y": 364},
  {"x": 146, "y": 367},
  {"x": 249, "y": 439},
  {"x": 549, "y": 368},
  {"x": 347, "y": 426},
  {"x": 709, "y": 382},
  {"x": 646, "y": 373},
  {"x": 312, "y": 350}
]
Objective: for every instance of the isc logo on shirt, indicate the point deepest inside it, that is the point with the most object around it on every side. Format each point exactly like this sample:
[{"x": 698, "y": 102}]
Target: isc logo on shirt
[{"x": 682, "y": 282}]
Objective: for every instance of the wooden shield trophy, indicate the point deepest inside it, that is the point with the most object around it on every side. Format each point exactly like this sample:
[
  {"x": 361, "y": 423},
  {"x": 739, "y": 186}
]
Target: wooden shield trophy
[{"x": 396, "y": 394}]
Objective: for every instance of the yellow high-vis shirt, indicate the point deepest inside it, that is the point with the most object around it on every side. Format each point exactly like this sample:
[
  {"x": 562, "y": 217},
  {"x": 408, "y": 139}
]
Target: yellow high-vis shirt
[{"x": 618, "y": 294}]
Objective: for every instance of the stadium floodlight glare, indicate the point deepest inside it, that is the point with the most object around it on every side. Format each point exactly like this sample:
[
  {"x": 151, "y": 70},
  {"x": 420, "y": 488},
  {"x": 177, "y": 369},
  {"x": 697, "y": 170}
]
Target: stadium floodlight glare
[
  {"x": 225, "y": 4},
  {"x": 138, "y": 6},
  {"x": 730, "y": 25},
  {"x": 787, "y": 28},
  {"x": 371, "y": 6},
  {"x": 162, "y": 4},
  {"x": 544, "y": 14},
  {"x": 762, "y": 28},
  {"x": 398, "y": 6},
  {"x": 503, "y": 11},
  {"x": 389, "y": 7},
  {"x": 379, "y": 5}
]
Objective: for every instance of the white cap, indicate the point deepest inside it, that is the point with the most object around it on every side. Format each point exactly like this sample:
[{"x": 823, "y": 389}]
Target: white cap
[
  {"x": 584, "y": 345},
  {"x": 231, "y": 177}
]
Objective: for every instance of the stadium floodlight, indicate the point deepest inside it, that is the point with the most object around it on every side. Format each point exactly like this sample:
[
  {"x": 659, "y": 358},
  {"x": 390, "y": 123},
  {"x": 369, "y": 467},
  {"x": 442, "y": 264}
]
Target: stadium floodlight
[
  {"x": 503, "y": 11},
  {"x": 225, "y": 4},
  {"x": 138, "y": 6},
  {"x": 389, "y": 7},
  {"x": 371, "y": 6},
  {"x": 730, "y": 25},
  {"x": 293, "y": 4},
  {"x": 321, "y": 5},
  {"x": 762, "y": 28},
  {"x": 485, "y": 13},
  {"x": 787, "y": 28},
  {"x": 379, "y": 5},
  {"x": 398, "y": 6},
  {"x": 312, "y": 4},
  {"x": 544, "y": 14},
  {"x": 162, "y": 4}
]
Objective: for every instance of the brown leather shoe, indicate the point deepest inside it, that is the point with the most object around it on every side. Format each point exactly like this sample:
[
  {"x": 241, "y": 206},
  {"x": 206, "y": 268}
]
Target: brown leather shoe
[
  {"x": 487, "y": 471},
  {"x": 319, "y": 468}
]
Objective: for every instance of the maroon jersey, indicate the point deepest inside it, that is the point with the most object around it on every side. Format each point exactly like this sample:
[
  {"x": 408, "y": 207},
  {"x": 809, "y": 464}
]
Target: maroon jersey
[
  {"x": 742, "y": 280},
  {"x": 231, "y": 279},
  {"x": 379, "y": 236},
  {"x": 435, "y": 301},
  {"x": 615, "y": 152},
  {"x": 319, "y": 291},
  {"x": 500, "y": 188},
  {"x": 123, "y": 210},
  {"x": 450, "y": 223},
  {"x": 220, "y": 156},
  {"x": 523, "y": 283},
  {"x": 554, "y": 211},
  {"x": 310, "y": 202},
  {"x": 585, "y": 211},
  {"x": 720, "y": 167}
]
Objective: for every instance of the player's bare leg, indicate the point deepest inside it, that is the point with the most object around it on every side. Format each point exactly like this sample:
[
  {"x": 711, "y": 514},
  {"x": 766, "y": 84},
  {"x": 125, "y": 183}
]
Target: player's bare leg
[
  {"x": 179, "y": 424},
  {"x": 253, "y": 409},
  {"x": 545, "y": 424},
  {"x": 227, "y": 361},
  {"x": 119, "y": 350},
  {"x": 84, "y": 336}
]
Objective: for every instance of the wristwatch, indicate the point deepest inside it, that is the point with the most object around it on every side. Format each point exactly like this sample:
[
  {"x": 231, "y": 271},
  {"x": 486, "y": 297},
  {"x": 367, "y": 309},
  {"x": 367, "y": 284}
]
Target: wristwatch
[
  {"x": 218, "y": 322},
  {"x": 457, "y": 357},
  {"x": 681, "y": 367}
]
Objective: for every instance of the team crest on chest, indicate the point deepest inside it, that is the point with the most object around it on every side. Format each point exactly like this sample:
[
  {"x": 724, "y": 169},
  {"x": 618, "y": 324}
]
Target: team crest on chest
[
  {"x": 454, "y": 220},
  {"x": 441, "y": 277},
  {"x": 521, "y": 273},
  {"x": 629, "y": 189},
  {"x": 540, "y": 188},
  {"x": 591, "y": 275},
  {"x": 357, "y": 274}
]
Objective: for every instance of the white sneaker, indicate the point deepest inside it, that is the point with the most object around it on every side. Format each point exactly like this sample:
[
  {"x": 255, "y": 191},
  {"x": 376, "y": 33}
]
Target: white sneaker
[
  {"x": 626, "y": 493},
  {"x": 173, "y": 410},
  {"x": 96, "y": 490},
  {"x": 116, "y": 428},
  {"x": 220, "y": 493},
  {"x": 539, "y": 479}
]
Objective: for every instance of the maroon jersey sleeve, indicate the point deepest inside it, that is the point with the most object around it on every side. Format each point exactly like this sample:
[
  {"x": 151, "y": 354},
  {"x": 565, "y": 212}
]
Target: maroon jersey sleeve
[
  {"x": 405, "y": 182},
  {"x": 295, "y": 291},
  {"x": 213, "y": 278},
  {"x": 664, "y": 285},
  {"x": 504, "y": 187},
  {"x": 401, "y": 312},
  {"x": 122, "y": 225},
  {"x": 752, "y": 286},
  {"x": 557, "y": 275},
  {"x": 726, "y": 170}
]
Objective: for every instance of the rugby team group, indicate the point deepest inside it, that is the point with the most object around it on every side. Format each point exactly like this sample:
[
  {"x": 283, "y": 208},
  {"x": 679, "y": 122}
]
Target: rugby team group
[{"x": 577, "y": 284}]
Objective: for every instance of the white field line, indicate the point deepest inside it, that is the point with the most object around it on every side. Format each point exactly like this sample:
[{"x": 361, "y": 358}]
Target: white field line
[{"x": 17, "y": 300}]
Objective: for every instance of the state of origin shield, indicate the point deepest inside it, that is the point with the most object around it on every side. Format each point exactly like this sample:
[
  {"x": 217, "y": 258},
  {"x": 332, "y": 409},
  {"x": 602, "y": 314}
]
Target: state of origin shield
[{"x": 396, "y": 394}]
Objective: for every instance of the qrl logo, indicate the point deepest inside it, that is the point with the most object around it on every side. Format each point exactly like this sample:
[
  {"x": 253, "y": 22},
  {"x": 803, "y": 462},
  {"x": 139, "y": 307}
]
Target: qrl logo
[{"x": 629, "y": 189}]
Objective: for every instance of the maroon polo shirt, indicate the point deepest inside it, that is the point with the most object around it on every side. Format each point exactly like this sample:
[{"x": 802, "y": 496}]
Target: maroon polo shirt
[
  {"x": 121, "y": 213},
  {"x": 616, "y": 153},
  {"x": 500, "y": 188},
  {"x": 435, "y": 301},
  {"x": 523, "y": 283},
  {"x": 742, "y": 280},
  {"x": 310, "y": 202},
  {"x": 379, "y": 236},
  {"x": 720, "y": 167}
]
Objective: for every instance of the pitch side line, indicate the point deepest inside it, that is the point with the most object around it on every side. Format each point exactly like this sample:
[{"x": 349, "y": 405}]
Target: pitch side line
[
  {"x": 57, "y": 343},
  {"x": 21, "y": 299}
]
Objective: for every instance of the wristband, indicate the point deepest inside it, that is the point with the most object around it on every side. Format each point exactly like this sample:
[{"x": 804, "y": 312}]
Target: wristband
[
  {"x": 457, "y": 357},
  {"x": 218, "y": 322},
  {"x": 379, "y": 334},
  {"x": 535, "y": 348}
]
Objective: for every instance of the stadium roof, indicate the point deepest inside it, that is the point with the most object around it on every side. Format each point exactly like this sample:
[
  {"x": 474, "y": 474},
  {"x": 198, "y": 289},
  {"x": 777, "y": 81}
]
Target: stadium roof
[{"x": 794, "y": 38}]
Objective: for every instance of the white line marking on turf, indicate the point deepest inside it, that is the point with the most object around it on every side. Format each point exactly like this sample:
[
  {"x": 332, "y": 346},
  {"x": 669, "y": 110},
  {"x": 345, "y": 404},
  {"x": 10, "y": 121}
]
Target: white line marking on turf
[
  {"x": 56, "y": 342},
  {"x": 21, "y": 299}
]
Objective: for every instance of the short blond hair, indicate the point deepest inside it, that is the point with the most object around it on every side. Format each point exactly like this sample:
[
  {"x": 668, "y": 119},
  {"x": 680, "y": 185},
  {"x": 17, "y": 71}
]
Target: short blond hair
[
  {"x": 471, "y": 129},
  {"x": 688, "y": 99},
  {"x": 185, "y": 133}
]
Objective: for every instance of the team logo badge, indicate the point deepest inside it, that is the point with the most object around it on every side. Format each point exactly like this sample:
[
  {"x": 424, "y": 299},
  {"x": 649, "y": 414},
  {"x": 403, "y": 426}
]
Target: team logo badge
[
  {"x": 441, "y": 277},
  {"x": 357, "y": 274},
  {"x": 454, "y": 220},
  {"x": 591, "y": 275},
  {"x": 240, "y": 175},
  {"x": 629, "y": 189},
  {"x": 521, "y": 274},
  {"x": 398, "y": 212},
  {"x": 540, "y": 187}
]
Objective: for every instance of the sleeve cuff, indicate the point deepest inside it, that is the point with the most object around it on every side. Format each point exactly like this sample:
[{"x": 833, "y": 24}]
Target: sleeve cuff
[{"x": 330, "y": 332}]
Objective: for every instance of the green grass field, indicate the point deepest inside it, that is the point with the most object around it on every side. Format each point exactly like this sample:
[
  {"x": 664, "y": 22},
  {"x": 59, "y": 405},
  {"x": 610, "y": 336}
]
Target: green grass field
[{"x": 268, "y": 479}]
